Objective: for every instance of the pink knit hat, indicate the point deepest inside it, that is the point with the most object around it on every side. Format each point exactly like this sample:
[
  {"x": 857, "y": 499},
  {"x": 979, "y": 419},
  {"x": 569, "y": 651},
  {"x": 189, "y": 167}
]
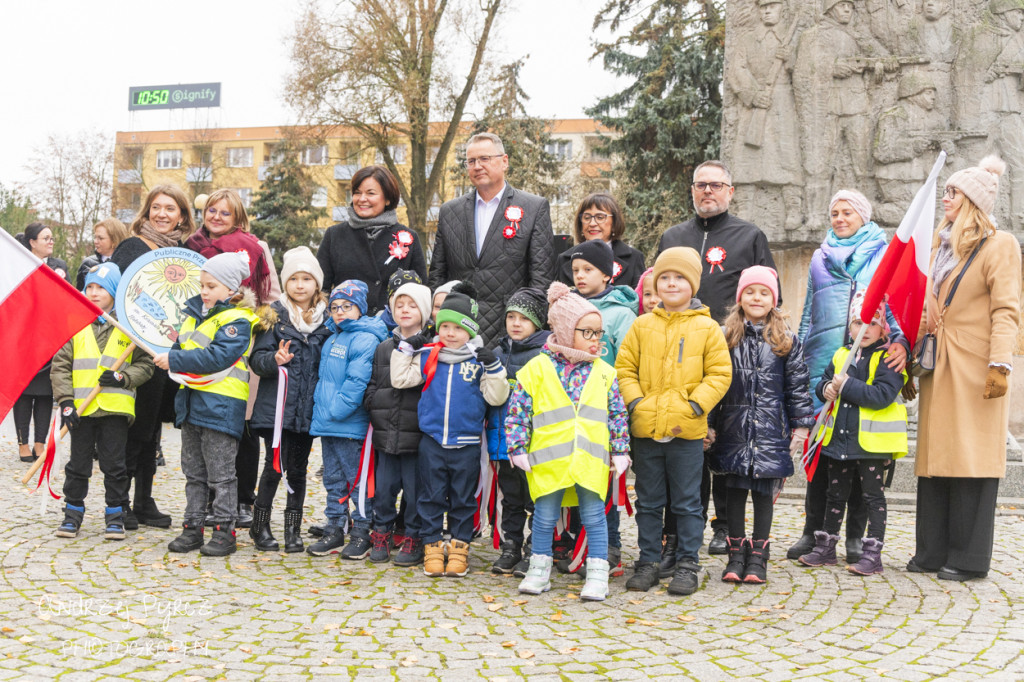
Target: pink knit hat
[
  {"x": 763, "y": 275},
  {"x": 640, "y": 290},
  {"x": 980, "y": 183},
  {"x": 565, "y": 309}
]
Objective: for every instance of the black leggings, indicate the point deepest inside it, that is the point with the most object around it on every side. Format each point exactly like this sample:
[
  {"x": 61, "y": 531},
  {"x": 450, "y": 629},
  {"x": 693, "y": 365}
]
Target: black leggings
[
  {"x": 295, "y": 449},
  {"x": 28, "y": 407},
  {"x": 764, "y": 510},
  {"x": 841, "y": 475}
]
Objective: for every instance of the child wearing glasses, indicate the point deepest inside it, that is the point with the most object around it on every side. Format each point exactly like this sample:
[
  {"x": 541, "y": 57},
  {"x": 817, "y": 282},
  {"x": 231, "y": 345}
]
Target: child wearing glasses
[
  {"x": 566, "y": 426},
  {"x": 339, "y": 417},
  {"x": 673, "y": 367}
]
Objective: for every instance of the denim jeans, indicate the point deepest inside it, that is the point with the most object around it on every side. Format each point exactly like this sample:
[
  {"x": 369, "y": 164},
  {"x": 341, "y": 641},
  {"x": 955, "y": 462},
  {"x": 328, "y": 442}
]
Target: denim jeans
[
  {"x": 545, "y": 515},
  {"x": 679, "y": 462},
  {"x": 208, "y": 462},
  {"x": 341, "y": 470}
]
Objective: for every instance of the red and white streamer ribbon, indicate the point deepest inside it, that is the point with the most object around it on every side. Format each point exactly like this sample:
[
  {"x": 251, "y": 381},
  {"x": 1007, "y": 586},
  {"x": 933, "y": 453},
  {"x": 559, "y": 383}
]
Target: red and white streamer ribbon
[
  {"x": 282, "y": 396},
  {"x": 367, "y": 475}
]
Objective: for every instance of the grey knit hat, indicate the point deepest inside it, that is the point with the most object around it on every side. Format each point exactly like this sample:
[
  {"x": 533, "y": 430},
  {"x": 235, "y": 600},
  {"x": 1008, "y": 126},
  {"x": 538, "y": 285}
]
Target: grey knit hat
[{"x": 230, "y": 269}]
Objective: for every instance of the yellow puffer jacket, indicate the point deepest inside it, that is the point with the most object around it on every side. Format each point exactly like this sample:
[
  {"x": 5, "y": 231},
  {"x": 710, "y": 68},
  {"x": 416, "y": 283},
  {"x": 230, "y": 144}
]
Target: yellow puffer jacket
[{"x": 667, "y": 360}]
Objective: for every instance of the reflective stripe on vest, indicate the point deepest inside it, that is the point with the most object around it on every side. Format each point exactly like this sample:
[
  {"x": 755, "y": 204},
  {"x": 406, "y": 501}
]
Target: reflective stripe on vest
[
  {"x": 87, "y": 365},
  {"x": 191, "y": 337},
  {"x": 569, "y": 444},
  {"x": 881, "y": 431}
]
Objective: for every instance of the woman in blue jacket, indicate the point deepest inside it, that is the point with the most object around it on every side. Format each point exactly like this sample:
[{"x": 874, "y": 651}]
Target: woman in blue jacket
[{"x": 843, "y": 265}]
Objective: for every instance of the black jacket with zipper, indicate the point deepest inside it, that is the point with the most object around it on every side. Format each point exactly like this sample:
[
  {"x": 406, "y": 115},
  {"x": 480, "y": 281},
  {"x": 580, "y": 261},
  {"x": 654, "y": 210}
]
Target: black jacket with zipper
[{"x": 393, "y": 415}]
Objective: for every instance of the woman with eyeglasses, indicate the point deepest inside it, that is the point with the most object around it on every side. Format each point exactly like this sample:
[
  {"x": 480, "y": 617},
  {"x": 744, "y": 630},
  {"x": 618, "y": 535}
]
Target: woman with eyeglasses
[
  {"x": 599, "y": 217},
  {"x": 370, "y": 244},
  {"x": 965, "y": 402},
  {"x": 106, "y": 235},
  {"x": 843, "y": 265},
  {"x": 36, "y": 402}
]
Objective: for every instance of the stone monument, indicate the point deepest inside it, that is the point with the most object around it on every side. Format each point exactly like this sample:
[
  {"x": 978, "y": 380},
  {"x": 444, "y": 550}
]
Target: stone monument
[{"x": 828, "y": 94}]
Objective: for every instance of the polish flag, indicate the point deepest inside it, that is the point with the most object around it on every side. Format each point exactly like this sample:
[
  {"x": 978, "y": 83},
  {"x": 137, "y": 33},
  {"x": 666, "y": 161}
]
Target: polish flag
[
  {"x": 39, "y": 312},
  {"x": 903, "y": 273}
]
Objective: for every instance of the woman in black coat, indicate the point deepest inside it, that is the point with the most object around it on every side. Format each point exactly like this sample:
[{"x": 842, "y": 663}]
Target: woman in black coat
[
  {"x": 371, "y": 245},
  {"x": 599, "y": 217}
]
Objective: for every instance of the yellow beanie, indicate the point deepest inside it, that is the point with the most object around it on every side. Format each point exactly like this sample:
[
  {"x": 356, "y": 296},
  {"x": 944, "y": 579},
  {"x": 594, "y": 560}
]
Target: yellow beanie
[{"x": 681, "y": 259}]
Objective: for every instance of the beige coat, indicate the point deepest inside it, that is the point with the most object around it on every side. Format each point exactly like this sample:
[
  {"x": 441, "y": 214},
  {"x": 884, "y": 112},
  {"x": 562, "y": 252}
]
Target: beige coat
[{"x": 961, "y": 434}]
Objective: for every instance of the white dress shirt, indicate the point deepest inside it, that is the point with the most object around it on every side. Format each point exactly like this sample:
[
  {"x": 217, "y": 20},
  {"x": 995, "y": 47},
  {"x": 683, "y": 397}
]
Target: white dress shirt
[{"x": 484, "y": 214}]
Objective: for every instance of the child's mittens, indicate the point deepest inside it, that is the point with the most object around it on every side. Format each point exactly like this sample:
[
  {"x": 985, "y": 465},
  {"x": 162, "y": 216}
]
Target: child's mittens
[
  {"x": 621, "y": 463},
  {"x": 486, "y": 357},
  {"x": 521, "y": 462},
  {"x": 113, "y": 378},
  {"x": 796, "y": 444},
  {"x": 996, "y": 383}
]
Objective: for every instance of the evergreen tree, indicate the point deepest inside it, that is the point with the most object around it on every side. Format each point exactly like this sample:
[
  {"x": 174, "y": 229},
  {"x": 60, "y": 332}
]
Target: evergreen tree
[
  {"x": 671, "y": 113},
  {"x": 282, "y": 212}
]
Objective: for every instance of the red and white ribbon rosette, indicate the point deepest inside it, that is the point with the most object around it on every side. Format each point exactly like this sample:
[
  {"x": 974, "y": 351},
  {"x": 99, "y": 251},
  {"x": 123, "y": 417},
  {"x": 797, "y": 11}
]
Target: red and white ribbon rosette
[
  {"x": 404, "y": 237},
  {"x": 616, "y": 270},
  {"x": 514, "y": 215},
  {"x": 715, "y": 256},
  {"x": 280, "y": 466}
]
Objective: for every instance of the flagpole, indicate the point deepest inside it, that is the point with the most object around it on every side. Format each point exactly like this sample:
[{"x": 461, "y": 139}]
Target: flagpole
[{"x": 818, "y": 433}]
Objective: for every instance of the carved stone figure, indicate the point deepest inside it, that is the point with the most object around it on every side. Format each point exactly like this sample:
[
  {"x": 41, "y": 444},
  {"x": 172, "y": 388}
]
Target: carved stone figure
[
  {"x": 759, "y": 75},
  {"x": 890, "y": 23}
]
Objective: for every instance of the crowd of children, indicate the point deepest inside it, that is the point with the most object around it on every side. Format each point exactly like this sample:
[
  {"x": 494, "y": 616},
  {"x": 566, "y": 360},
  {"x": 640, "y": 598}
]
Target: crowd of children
[{"x": 585, "y": 383}]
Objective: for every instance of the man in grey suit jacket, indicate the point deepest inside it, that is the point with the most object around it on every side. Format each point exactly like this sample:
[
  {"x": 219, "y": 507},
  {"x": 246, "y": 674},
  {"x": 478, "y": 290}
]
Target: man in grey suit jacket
[{"x": 497, "y": 237}]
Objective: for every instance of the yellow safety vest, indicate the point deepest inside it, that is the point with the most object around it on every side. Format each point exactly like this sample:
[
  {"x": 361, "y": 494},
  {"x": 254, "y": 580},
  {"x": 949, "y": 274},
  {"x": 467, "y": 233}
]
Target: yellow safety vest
[
  {"x": 569, "y": 444},
  {"x": 86, "y": 367},
  {"x": 883, "y": 431},
  {"x": 190, "y": 337}
]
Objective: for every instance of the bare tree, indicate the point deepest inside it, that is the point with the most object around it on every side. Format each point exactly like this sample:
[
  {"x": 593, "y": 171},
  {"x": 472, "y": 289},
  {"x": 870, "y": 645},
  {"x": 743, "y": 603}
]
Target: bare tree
[
  {"x": 385, "y": 68},
  {"x": 72, "y": 185}
]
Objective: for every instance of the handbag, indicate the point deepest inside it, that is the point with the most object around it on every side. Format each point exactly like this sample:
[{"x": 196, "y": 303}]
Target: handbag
[{"x": 925, "y": 350}]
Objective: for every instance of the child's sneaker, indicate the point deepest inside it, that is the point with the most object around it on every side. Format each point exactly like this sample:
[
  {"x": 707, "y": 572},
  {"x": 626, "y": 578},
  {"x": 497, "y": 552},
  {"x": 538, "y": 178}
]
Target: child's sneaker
[
  {"x": 538, "y": 577},
  {"x": 410, "y": 553},
  {"x": 511, "y": 554},
  {"x": 433, "y": 559},
  {"x": 458, "y": 559},
  {"x": 615, "y": 569},
  {"x": 381, "y": 552},
  {"x": 222, "y": 543},
  {"x": 72, "y": 521},
  {"x": 358, "y": 546},
  {"x": 331, "y": 543},
  {"x": 523, "y": 566},
  {"x": 114, "y": 519},
  {"x": 685, "y": 580}
]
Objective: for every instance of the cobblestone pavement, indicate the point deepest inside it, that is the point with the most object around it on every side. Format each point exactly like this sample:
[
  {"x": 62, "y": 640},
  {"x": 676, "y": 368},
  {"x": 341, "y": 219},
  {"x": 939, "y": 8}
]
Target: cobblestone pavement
[{"x": 89, "y": 608}]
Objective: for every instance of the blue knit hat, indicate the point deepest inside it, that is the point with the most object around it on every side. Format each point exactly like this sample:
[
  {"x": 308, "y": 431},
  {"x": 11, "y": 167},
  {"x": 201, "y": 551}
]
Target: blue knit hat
[
  {"x": 107, "y": 275},
  {"x": 354, "y": 291}
]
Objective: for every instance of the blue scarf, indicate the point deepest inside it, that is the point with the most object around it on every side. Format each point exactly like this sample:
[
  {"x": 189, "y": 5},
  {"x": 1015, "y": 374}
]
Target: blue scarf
[{"x": 850, "y": 254}]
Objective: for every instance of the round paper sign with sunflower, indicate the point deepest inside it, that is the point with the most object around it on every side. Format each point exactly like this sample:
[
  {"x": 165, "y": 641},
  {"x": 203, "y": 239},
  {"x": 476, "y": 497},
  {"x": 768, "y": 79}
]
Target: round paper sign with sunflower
[{"x": 153, "y": 291}]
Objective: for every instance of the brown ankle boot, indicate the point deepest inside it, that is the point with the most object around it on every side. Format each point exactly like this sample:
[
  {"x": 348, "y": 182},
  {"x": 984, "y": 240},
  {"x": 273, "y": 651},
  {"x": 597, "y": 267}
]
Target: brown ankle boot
[
  {"x": 433, "y": 559},
  {"x": 458, "y": 559}
]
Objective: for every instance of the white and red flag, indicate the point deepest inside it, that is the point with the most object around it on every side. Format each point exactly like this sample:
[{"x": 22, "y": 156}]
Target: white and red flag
[
  {"x": 39, "y": 312},
  {"x": 902, "y": 276}
]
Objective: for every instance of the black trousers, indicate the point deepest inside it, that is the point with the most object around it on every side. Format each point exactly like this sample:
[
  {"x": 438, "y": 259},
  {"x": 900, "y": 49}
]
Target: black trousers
[
  {"x": 105, "y": 437},
  {"x": 144, "y": 436},
  {"x": 764, "y": 511},
  {"x": 394, "y": 473},
  {"x": 956, "y": 523},
  {"x": 870, "y": 473},
  {"x": 295, "y": 449},
  {"x": 516, "y": 503},
  {"x": 247, "y": 465},
  {"x": 814, "y": 504},
  {"x": 32, "y": 407}
]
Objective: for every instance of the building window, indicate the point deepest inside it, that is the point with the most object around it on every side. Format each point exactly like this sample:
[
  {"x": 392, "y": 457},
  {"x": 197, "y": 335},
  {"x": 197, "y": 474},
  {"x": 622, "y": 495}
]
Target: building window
[
  {"x": 319, "y": 197},
  {"x": 245, "y": 193},
  {"x": 315, "y": 156},
  {"x": 239, "y": 157},
  {"x": 397, "y": 152},
  {"x": 168, "y": 158},
  {"x": 560, "y": 149}
]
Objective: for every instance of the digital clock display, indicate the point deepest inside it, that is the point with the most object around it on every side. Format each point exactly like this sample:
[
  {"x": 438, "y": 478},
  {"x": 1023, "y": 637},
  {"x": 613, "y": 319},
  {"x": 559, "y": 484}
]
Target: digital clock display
[
  {"x": 187, "y": 96},
  {"x": 149, "y": 98}
]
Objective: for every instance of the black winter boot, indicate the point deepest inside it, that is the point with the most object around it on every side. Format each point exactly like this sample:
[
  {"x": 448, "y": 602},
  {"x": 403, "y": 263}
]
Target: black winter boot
[
  {"x": 331, "y": 542},
  {"x": 854, "y": 550},
  {"x": 191, "y": 538},
  {"x": 757, "y": 563},
  {"x": 131, "y": 521},
  {"x": 359, "y": 545},
  {"x": 736, "y": 567},
  {"x": 72, "y": 521},
  {"x": 802, "y": 546},
  {"x": 668, "y": 556},
  {"x": 511, "y": 554},
  {"x": 244, "y": 519},
  {"x": 259, "y": 531},
  {"x": 293, "y": 531},
  {"x": 222, "y": 543}
]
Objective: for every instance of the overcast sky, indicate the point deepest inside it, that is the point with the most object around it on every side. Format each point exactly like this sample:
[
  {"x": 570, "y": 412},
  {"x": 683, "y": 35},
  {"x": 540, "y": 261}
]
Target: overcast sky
[{"x": 67, "y": 66}]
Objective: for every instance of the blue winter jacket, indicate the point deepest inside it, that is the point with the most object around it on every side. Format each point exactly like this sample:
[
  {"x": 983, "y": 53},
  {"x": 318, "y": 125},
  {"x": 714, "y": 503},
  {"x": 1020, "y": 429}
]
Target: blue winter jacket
[
  {"x": 768, "y": 398},
  {"x": 345, "y": 365},
  {"x": 839, "y": 268},
  {"x": 202, "y": 408},
  {"x": 618, "y": 306},
  {"x": 513, "y": 356}
]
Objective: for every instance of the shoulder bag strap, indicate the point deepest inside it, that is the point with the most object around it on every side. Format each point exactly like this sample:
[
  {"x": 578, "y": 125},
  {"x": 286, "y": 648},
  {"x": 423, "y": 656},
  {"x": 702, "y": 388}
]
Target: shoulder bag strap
[{"x": 956, "y": 282}]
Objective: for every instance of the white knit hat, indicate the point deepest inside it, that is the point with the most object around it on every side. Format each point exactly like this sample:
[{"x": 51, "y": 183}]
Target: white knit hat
[
  {"x": 301, "y": 259},
  {"x": 980, "y": 183},
  {"x": 420, "y": 295}
]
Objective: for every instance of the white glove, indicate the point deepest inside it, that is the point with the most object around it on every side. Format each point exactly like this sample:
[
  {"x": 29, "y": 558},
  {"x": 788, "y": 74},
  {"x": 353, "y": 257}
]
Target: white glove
[
  {"x": 521, "y": 462},
  {"x": 621, "y": 463}
]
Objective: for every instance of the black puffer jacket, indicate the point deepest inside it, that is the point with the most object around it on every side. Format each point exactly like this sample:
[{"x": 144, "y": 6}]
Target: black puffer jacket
[
  {"x": 396, "y": 426},
  {"x": 303, "y": 372},
  {"x": 525, "y": 259},
  {"x": 629, "y": 260},
  {"x": 769, "y": 397}
]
